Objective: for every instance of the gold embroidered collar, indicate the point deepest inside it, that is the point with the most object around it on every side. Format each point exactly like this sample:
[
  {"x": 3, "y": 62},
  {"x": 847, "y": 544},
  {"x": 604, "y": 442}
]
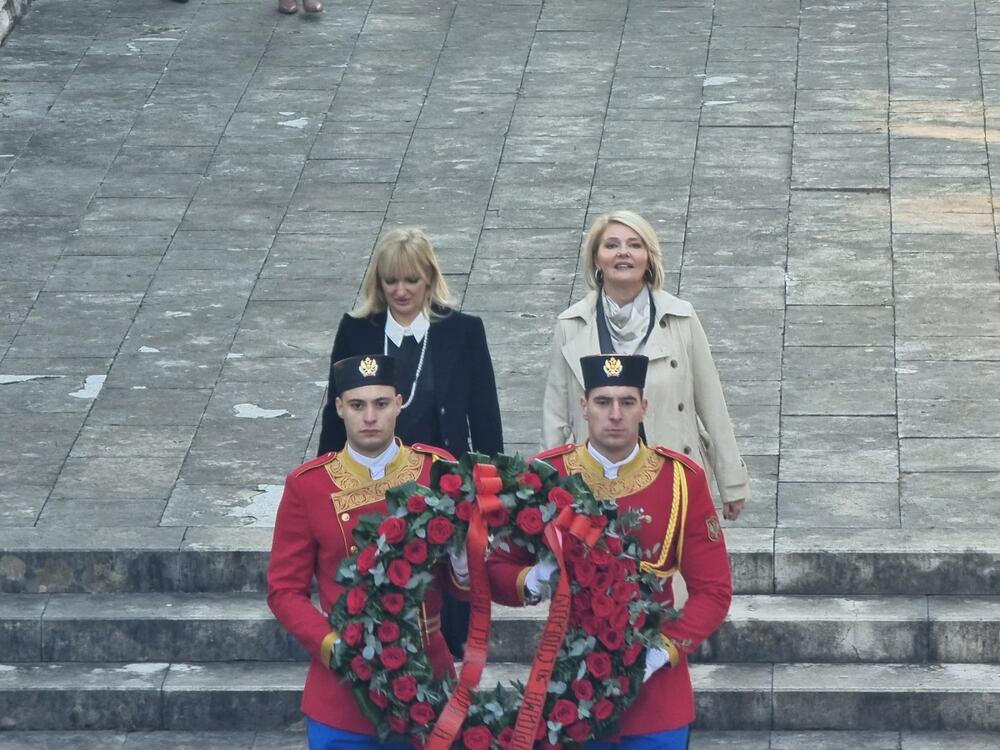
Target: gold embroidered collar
[
  {"x": 355, "y": 485},
  {"x": 633, "y": 477}
]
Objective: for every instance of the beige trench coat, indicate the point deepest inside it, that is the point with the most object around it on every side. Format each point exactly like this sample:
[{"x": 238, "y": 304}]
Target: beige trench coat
[{"x": 687, "y": 409}]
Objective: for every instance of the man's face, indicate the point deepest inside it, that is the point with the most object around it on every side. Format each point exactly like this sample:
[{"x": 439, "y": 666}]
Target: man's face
[
  {"x": 613, "y": 415},
  {"x": 369, "y": 415}
]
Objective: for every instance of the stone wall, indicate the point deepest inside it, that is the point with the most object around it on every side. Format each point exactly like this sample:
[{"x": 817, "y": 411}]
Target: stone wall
[{"x": 10, "y": 11}]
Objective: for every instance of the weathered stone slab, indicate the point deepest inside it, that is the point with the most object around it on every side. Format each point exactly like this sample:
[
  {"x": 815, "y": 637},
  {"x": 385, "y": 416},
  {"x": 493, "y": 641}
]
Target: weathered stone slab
[
  {"x": 839, "y": 504},
  {"x": 821, "y": 629},
  {"x": 886, "y": 561},
  {"x": 832, "y": 448},
  {"x": 82, "y": 696},
  {"x": 887, "y": 696},
  {"x": 947, "y": 499},
  {"x": 230, "y": 696}
]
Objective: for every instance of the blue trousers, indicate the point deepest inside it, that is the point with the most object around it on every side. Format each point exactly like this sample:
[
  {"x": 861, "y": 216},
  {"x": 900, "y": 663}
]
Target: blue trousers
[
  {"x": 325, "y": 737},
  {"x": 675, "y": 739}
]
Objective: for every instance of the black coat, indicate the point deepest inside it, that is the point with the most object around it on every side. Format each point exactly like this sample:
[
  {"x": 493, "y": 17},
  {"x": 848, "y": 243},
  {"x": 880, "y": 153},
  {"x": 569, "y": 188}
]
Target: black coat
[{"x": 465, "y": 390}]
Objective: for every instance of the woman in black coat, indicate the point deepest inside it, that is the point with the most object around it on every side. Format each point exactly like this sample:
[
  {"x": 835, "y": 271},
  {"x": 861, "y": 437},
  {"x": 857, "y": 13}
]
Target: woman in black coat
[
  {"x": 442, "y": 362},
  {"x": 405, "y": 312}
]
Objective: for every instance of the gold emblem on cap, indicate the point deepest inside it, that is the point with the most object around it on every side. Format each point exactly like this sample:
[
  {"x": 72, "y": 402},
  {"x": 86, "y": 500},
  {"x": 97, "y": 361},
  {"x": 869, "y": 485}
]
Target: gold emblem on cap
[
  {"x": 612, "y": 367},
  {"x": 368, "y": 367}
]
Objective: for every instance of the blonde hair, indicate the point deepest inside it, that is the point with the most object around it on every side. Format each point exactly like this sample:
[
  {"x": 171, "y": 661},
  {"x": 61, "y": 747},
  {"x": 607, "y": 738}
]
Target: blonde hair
[
  {"x": 400, "y": 253},
  {"x": 640, "y": 226}
]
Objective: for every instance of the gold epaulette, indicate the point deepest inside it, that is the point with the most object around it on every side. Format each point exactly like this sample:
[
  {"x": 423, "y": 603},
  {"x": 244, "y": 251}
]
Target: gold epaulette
[
  {"x": 315, "y": 463},
  {"x": 432, "y": 451},
  {"x": 561, "y": 450},
  {"x": 675, "y": 455}
]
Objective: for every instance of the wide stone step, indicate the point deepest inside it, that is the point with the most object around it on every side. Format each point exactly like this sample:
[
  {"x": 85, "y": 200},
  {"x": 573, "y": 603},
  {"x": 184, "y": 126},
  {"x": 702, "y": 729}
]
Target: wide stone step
[
  {"x": 261, "y": 695},
  {"x": 774, "y": 628},
  {"x": 700, "y": 740},
  {"x": 240, "y": 627},
  {"x": 783, "y": 561}
]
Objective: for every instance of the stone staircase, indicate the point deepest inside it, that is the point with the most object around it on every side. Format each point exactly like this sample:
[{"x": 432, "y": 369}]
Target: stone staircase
[{"x": 167, "y": 630}]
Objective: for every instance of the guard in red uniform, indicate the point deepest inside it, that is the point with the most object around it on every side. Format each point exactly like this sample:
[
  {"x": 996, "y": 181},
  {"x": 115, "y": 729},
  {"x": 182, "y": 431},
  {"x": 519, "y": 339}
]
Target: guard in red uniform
[
  {"x": 681, "y": 529},
  {"x": 322, "y": 502}
]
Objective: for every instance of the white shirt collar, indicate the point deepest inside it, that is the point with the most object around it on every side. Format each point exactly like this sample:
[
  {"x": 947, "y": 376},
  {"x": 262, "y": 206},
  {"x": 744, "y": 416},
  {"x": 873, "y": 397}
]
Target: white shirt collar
[
  {"x": 376, "y": 466},
  {"x": 611, "y": 467},
  {"x": 395, "y": 332}
]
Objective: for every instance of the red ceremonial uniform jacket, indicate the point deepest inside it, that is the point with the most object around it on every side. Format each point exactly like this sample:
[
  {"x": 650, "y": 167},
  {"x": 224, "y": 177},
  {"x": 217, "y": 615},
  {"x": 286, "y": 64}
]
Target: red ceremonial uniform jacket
[
  {"x": 319, "y": 509},
  {"x": 682, "y": 528}
]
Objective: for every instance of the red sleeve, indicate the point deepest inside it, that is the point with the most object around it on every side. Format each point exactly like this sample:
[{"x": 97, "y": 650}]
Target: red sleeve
[
  {"x": 705, "y": 567},
  {"x": 506, "y": 571},
  {"x": 289, "y": 577}
]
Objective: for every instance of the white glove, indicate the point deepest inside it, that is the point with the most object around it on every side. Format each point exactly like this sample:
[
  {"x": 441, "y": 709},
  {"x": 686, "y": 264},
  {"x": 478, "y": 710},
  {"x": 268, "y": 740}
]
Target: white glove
[
  {"x": 536, "y": 583},
  {"x": 460, "y": 567},
  {"x": 655, "y": 659}
]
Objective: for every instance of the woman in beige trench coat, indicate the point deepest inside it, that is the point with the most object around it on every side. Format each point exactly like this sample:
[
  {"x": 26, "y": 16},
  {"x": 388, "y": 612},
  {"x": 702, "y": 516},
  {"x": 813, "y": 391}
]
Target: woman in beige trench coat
[{"x": 687, "y": 409}]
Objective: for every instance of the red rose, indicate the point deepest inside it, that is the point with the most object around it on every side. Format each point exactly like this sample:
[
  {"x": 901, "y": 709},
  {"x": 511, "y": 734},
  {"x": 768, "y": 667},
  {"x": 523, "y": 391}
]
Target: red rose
[
  {"x": 418, "y": 742},
  {"x": 562, "y": 498},
  {"x": 388, "y": 631},
  {"x": 578, "y": 731},
  {"x": 393, "y": 657},
  {"x": 631, "y": 654},
  {"x": 416, "y": 504},
  {"x": 393, "y": 602},
  {"x": 624, "y": 684},
  {"x": 505, "y": 737},
  {"x": 602, "y": 581},
  {"x": 598, "y": 664},
  {"x": 614, "y": 545},
  {"x": 398, "y": 724},
  {"x": 353, "y": 634},
  {"x": 590, "y": 624},
  {"x": 620, "y": 618},
  {"x": 603, "y": 709},
  {"x": 602, "y": 604},
  {"x": 422, "y": 713},
  {"x": 379, "y": 698},
  {"x": 400, "y": 572},
  {"x": 451, "y": 485},
  {"x": 629, "y": 566},
  {"x": 583, "y": 689},
  {"x": 416, "y": 551},
  {"x": 581, "y": 602},
  {"x": 625, "y": 592},
  {"x": 464, "y": 510},
  {"x": 530, "y": 521},
  {"x": 356, "y": 600},
  {"x": 439, "y": 529},
  {"x": 584, "y": 572},
  {"x": 497, "y": 518},
  {"x": 600, "y": 522},
  {"x": 541, "y": 731},
  {"x": 404, "y": 687},
  {"x": 564, "y": 712},
  {"x": 367, "y": 559},
  {"x": 598, "y": 556},
  {"x": 477, "y": 738},
  {"x": 530, "y": 480},
  {"x": 361, "y": 668},
  {"x": 393, "y": 529},
  {"x": 612, "y": 638},
  {"x": 640, "y": 620}
]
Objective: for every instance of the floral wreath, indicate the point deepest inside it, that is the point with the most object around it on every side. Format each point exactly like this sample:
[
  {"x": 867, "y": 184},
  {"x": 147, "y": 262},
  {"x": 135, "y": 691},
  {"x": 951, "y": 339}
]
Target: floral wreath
[{"x": 607, "y": 618}]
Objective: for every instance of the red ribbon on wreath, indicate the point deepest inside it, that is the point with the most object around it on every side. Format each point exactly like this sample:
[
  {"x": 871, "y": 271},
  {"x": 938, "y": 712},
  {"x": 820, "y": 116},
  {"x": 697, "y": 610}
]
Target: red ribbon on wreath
[{"x": 488, "y": 484}]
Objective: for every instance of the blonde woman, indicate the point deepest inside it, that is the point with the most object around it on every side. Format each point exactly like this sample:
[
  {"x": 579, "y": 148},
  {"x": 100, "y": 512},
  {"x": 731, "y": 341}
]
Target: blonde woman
[
  {"x": 445, "y": 371},
  {"x": 628, "y": 312}
]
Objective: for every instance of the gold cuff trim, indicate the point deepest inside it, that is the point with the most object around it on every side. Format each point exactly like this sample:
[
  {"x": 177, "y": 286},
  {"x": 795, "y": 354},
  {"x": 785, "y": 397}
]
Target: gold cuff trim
[
  {"x": 326, "y": 647},
  {"x": 458, "y": 584},
  {"x": 519, "y": 584},
  {"x": 672, "y": 651}
]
